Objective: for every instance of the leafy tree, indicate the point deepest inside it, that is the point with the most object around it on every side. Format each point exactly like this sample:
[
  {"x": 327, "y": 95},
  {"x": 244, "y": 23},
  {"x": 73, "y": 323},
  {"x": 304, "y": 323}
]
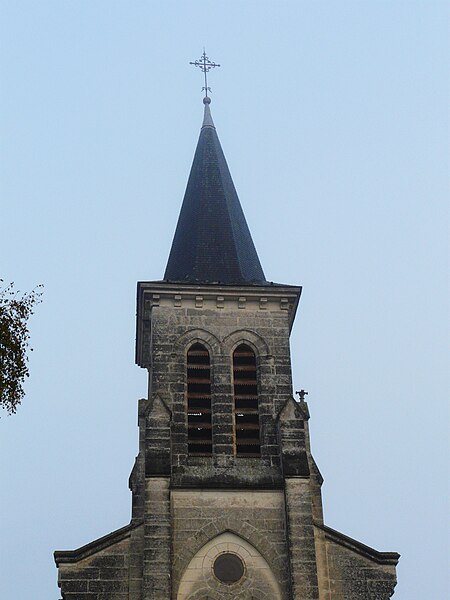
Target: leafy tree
[{"x": 15, "y": 310}]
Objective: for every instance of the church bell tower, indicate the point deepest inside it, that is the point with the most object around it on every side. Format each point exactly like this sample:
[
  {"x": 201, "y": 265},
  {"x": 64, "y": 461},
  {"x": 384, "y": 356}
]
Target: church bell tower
[{"x": 226, "y": 496}]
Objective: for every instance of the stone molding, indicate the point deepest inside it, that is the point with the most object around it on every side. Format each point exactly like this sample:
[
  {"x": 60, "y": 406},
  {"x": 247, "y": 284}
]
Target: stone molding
[{"x": 203, "y": 336}]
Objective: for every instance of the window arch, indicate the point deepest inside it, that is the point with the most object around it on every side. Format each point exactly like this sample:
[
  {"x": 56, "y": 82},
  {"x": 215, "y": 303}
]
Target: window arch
[
  {"x": 246, "y": 413},
  {"x": 258, "y": 579},
  {"x": 199, "y": 401}
]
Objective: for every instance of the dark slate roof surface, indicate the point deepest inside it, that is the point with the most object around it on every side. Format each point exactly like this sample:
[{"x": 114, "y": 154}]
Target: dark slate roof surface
[{"x": 212, "y": 242}]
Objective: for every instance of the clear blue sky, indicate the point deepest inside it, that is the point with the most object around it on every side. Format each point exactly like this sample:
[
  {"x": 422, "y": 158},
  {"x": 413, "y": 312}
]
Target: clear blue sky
[{"x": 333, "y": 117}]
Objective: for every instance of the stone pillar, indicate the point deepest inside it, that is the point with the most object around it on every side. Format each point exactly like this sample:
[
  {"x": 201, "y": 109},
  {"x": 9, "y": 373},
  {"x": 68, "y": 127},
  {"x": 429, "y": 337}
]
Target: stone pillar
[
  {"x": 135, "y": 563},
  {"x": 322, "y": 565},
  {"x": 157, "y": 540},
  {"x": 301, "y": 541}
]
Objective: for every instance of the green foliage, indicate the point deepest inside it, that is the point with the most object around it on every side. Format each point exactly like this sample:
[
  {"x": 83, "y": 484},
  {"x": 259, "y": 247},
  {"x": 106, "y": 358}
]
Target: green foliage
[{"x": 15, "y": 310}]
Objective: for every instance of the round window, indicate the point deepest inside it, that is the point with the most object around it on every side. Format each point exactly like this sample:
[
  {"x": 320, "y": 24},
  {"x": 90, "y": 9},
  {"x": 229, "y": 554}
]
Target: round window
[{"x": 228, "y": 568}]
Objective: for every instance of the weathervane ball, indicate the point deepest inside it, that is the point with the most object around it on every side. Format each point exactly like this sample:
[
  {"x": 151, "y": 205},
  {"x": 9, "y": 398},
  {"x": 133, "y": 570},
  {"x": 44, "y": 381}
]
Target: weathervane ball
[{"x": 206, "y": 100}]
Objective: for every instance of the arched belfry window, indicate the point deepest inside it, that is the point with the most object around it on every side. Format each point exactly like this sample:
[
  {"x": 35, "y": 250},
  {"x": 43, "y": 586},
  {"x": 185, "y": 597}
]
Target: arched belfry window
[
  {"x": 199, "y": 400},
  {"x": 246, "y": 414}
]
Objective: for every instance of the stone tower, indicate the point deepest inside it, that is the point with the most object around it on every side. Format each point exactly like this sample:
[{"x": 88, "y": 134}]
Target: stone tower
[{"x": 226, "y": 496}]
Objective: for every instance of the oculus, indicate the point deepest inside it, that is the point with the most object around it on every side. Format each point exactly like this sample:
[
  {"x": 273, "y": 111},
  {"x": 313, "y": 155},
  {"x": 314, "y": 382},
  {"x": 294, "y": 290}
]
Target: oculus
[{"x": 228, "y": 568}]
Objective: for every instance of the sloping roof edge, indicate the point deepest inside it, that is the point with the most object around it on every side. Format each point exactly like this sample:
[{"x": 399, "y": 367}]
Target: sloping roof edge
[
  {"x": 73, "y": 556},
  {"x": 382, "y": 558}
]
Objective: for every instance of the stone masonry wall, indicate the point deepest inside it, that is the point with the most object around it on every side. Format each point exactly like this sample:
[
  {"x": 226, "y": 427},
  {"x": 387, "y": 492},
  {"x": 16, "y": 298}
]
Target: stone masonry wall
[
  {"x": 355, "y": 577},
  {"x": 102, "y": 576}
]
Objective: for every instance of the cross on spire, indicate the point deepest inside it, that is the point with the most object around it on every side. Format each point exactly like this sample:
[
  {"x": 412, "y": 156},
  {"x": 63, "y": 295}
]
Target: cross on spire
[{"x": 205, "y": 65}]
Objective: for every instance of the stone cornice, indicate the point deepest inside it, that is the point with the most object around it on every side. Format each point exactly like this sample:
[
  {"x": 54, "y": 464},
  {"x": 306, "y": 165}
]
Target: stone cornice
[{"x": 270, "y": 298}]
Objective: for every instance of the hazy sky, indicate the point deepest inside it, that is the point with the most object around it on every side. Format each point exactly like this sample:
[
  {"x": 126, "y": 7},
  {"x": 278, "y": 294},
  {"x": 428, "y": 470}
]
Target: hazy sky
[{"x": 333, "y": 118}]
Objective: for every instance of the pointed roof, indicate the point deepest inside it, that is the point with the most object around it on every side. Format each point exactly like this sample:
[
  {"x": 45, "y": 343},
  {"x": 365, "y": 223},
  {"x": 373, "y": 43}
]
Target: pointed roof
[{"x": 212, "y": 242}]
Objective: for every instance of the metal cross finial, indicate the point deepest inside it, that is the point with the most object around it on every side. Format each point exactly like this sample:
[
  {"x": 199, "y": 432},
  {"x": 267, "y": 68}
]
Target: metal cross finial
[
  {"x": 301, "y": 394},
  {"x": 205, "y": 65}
]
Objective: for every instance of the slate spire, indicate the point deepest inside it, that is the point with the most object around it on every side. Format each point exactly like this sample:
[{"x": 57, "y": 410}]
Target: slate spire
[{"x": 212, "y": 242}]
